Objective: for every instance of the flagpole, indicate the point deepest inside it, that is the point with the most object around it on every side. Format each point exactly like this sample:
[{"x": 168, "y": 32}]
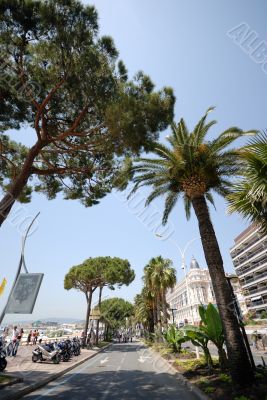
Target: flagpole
[{"x": 21, "y": 263}]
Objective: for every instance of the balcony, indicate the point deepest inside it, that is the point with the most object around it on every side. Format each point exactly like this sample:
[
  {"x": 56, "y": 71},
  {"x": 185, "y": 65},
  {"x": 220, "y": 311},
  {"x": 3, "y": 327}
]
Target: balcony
[
  {"x": 256, "y": 278},
  {"x": 261, "y": 262},
  {"x": 256, "y": 305},
  {"x": 262, "y": 290},
  {"x": 259, "y": 240}
]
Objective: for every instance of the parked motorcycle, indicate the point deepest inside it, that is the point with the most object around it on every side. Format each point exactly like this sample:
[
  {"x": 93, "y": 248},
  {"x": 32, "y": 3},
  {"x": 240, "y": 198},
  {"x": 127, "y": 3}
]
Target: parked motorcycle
[
  {"x": 3, "y": 361},
  {"x": 45, "y": 352}
]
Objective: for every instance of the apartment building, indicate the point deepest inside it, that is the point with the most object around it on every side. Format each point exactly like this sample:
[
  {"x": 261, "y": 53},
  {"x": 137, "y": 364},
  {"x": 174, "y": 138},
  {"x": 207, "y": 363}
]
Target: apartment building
[{"x": 249, "y": 255}]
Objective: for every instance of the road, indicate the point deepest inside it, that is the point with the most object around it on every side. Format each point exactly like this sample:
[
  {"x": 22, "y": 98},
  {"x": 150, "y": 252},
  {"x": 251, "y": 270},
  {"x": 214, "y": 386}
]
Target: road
[{"x": 123, "y": 371}]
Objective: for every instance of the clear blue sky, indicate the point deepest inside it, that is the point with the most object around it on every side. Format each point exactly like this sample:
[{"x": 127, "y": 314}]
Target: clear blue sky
[{"x": 183, "y": 44}]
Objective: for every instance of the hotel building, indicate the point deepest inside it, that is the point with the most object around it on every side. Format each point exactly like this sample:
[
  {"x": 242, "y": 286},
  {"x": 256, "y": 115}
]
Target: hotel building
[
  {"x": 249, "y": 255},
  {"x": 192, "y": 291}
]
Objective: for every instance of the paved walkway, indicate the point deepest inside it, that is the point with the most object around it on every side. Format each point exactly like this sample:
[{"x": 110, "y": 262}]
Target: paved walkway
[
  {"x": 123, "y": 371},
  {"x": 22, "y": 366}
]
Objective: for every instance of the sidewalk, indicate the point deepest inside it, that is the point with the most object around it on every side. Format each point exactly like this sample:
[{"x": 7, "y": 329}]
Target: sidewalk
[{"x": 35, "y": 375}]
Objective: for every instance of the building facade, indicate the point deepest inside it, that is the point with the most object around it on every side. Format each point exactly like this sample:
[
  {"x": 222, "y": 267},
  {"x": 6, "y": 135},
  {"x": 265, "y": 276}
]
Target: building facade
[
  {"x": 185, "y": 298},
  {"x": 249, "y": 255},
  {"x": 196, "y": 289}
]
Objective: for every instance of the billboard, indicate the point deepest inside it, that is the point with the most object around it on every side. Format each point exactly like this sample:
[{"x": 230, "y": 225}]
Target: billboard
[{"x": 24, "y": 294}]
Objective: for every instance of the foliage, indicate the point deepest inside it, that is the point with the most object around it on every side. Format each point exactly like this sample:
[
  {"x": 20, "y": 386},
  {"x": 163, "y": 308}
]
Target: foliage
[
  {"x": 225, "y": 378},
  {"x": 159, "y": 276},
  {"x": 114, "y": 312},
  {"x": 98, "y": 272},
  {"x": 264, "y": 315},
  {"x": 175, "y": 338},
  {"x": 191, "y": 364},
  {"x": 211, "y": 324},
  {"x": 249, "y": 197},
  {"x": 63, "y": 81},
  {"x": 199, "y": 338},
  {"x": 209, "y": 389},
  {"x": 192, "y": 165},
  {"x": 143, "y": 309}
]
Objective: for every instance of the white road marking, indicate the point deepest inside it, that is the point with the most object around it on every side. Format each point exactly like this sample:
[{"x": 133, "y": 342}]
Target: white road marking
[
  {"x": 111, "y": 384},
  {"x": 90, "y": 363},
  {"x": 104, "y": 360},
  {"x": 143, "y": 359}
]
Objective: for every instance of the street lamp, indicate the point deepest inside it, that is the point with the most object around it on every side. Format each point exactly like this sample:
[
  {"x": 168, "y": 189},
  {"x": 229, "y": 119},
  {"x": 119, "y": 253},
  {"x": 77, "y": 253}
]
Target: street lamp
[
  {"x": 183, "y": 267},
  {"x": 182, "y": 253}
]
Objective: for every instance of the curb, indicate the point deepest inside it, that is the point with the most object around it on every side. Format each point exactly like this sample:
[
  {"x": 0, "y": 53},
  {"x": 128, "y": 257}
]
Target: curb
[
  {"x": 194, "y": 389},
  {"x": 34, "y": 386},
  {"x": 14, "y": 379}
]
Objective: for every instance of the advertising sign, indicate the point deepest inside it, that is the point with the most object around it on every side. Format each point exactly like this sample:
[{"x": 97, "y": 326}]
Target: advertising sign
[{"x": 24, "y": 294}]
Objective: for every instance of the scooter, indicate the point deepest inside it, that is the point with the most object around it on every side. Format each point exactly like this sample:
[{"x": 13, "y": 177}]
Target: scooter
[
  {"x": 3, "y": 361},
  {"x": 43, "y": 352}
]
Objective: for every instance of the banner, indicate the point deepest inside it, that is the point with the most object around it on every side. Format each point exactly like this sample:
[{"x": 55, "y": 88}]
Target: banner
[
  {"x": 2, "y": 286},
  {"x": 24, "y": 294}
]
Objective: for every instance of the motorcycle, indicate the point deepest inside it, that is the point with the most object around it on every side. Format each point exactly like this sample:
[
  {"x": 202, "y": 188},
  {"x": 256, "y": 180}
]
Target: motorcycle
[
  {"x": 45, "y": 352},
  {"x": 3, "y": 361}
]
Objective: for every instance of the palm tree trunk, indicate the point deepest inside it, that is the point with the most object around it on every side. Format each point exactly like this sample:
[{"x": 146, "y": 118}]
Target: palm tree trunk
[
  {"x": 164, "y": 309},
  {"x": 155, "y": 315},
  {"x": 239, "y": 365},
  {"x": 158, "y": 300},
  {"x": 99, "y": 305}
]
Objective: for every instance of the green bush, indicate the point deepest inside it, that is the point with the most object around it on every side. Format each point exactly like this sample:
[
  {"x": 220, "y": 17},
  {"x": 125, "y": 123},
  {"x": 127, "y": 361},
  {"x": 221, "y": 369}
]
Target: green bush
[
  {"x": 225, "y": 378},
  {"x": 209, "y": 389}
]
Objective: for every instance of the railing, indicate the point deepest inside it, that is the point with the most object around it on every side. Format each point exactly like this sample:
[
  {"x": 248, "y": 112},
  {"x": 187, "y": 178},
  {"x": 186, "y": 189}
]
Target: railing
[
  {"x": 246, "y": 247},
  {"x": 262, "y": 289},
  {"x": 253, "y": 279},
  {"x": 262, "y": 253},
  {"x": 260, "y": 263}
]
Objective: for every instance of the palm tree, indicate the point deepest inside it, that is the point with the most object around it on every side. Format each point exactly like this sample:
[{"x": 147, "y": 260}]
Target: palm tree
[
  {"x": 249, "y": 196},
  {"x": 143, "y": 309},
  {"x": 192, "y": 168},
  {"x": 159, "y": 277}
]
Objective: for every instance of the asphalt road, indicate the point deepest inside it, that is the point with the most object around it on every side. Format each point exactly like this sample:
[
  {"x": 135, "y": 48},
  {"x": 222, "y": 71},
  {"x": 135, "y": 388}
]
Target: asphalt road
[{"x": 123, "y": 371}]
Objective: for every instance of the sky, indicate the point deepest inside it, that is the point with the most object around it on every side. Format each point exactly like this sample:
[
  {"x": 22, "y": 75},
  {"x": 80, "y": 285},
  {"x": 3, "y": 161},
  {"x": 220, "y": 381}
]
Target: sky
[{"x": 183, "y": 44}]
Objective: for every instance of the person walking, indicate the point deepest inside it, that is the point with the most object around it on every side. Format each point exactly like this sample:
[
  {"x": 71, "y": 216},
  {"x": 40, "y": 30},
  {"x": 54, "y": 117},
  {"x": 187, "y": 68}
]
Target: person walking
[
  {"x": 34, "y": 338},
  {"x": 29, "y": 338},
  {"x": 15, "y": 341},
  {"x": 254, "y": 338}
]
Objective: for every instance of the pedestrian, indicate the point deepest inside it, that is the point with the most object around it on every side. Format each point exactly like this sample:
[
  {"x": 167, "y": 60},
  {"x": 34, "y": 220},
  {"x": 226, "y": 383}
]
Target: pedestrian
[
  {"x": 34, "y": 338},
  {"x": 29, "y": 338},
  {"x": 264, "y": 341},
  {"x": 254, "y": 338},
  {"x": 15, "y": 341}
]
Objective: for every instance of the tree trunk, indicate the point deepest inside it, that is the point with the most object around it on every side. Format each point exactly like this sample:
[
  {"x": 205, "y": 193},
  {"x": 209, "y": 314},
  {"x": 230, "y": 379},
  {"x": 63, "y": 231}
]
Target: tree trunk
[
  {"x": 155, "y": 319},
  {"x": 239, "y": 365},
  {"x": 223, "y": 361},
  {"x": 19, "y": 182},
  {"x": 99, "y": 305},
  {"x": 164, "y": 309},
  {"x": 89, "y": 302}
]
